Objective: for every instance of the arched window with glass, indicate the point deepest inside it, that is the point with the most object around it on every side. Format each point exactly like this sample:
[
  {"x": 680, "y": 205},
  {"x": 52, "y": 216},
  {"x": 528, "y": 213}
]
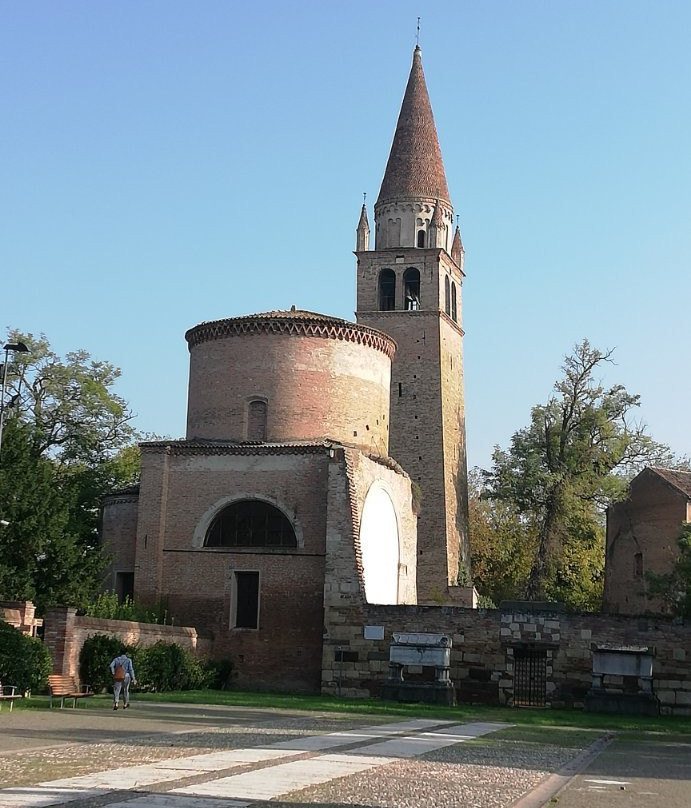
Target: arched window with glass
[
  {"x": 250, "y": 523},
  {"x": 447, "y": 295},
  {"x": 454, "y": 308}
]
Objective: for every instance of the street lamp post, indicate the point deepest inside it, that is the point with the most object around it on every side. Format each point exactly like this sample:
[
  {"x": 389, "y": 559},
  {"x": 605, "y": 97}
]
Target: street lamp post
[{"x": 14, "y": 347}]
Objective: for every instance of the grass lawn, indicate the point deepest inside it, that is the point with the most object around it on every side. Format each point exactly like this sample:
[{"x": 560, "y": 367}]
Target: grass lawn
[{"x": 525, "y": 717}]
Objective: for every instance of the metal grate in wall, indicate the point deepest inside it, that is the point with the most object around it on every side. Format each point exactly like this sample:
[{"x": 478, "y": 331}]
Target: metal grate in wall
[{"x": 529, "y": 677}]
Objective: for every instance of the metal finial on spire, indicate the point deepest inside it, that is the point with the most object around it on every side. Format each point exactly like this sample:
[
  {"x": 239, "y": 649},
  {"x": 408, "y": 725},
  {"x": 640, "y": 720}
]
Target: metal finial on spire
[
  {"x": 364, "y": 197},
  {"x": 457, "y": 218},
  {"x": 417, "y": 34}
]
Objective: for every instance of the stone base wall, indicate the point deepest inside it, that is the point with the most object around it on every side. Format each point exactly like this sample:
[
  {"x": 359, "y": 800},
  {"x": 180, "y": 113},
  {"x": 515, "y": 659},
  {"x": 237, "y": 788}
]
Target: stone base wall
[
  {"x": 484, "y": 646},
  {"x": 66, "y": 633}
]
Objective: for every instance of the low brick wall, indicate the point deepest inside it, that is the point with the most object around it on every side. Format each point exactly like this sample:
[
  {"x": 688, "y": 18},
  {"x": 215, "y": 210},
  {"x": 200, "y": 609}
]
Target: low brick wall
[
  {"x": 484, "y": 646},
  {"x": 21, "y": 615},
  {"x": 65, "y": 634}
]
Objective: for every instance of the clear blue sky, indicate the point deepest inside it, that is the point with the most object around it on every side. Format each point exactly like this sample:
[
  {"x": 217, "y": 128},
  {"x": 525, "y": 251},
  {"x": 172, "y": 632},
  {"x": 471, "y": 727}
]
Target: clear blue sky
[{"x": 167, "y": 162}]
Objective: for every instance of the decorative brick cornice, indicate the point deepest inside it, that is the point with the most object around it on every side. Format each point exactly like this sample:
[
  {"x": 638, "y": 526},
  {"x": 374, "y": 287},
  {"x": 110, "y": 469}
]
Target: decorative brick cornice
[
  {"x": 122, "y": 495},
  {"x": 200, "y": 447},
  {"x": 114, "y": 499},
  {"x": 292, "y": 323}
]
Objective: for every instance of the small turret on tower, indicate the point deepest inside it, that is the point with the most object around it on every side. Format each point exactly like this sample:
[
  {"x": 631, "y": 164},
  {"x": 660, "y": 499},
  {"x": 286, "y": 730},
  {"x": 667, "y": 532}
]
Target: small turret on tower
[
  {"x": 362, "y": 238},
  {"x": 457, "y": 251},
  {"x": 437, "y": 228}
]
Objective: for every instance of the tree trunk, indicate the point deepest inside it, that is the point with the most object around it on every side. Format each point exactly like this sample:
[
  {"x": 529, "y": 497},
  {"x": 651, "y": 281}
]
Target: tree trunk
[{"x": 535, "y": 588}]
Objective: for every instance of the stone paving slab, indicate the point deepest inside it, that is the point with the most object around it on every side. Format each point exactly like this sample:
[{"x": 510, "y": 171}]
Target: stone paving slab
[
  {"x": 267, "y": 784},
  {"x": 187, "y": 746}
]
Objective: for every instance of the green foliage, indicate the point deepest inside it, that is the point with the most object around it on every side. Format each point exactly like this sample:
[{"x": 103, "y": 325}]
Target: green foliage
[
  {"x": 96, "y": 655},
  {"x": 502, "y": 545},
  {"x": 24, "y": 661},
  {"x": 70, "y": 403},
  {"x": 42, "y": 558},
  {"x": 65, "y": 445},
  {"x": 674, "y": 588},
  {"x": 164, "y": 666},
  {"x": 575, "y": 457},
  {"x": 158, "y": 668},
  {"x": 463, "y": 578},
  {"x": 219, "y": 674},
  {"x": 107, "y": 606}
]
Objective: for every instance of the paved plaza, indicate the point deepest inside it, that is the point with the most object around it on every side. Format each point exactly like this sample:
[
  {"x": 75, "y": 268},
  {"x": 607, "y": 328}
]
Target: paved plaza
[{"x": 196, "y": 756}]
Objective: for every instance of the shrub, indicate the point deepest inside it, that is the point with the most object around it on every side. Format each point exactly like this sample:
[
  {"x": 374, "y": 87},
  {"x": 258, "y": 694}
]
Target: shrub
[
  {"x": 158, "y": 668},
  {"x": 107, "y": 606},
  {"x": 94, "y": 660},
  {"x": 218, "y": 674},
  {"x": 24, "y": 661},
  {"x": 164, "y": 666}
]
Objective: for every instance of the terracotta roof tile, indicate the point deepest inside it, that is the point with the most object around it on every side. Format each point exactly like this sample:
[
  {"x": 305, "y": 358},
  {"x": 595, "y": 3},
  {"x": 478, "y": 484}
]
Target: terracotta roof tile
[
  {"x": 679, "y": 479},
  {"x": 415, "y": 167}
]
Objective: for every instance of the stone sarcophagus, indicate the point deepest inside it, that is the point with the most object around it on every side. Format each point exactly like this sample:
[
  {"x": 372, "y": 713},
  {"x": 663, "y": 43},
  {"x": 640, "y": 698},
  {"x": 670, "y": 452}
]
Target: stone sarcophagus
[
  {"x": 420, "y": 651},
  {"x": 622, "y": 680}
]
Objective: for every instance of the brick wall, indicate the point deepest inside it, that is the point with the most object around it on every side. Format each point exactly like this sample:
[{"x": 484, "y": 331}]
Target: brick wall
[
  {"x": 648, "y": 523},
  {"x": 119, "y": 531},
  {"x": 197, "y": 582},
  {"x": 314, "y": 387},
  {"x": 427, "y": 429},
  {"x": 66, "y": 633},
  {"x": 484, "y": 641}
]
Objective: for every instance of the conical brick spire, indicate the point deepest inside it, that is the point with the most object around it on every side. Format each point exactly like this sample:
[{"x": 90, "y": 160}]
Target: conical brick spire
[{"x": 415, "y": 167}]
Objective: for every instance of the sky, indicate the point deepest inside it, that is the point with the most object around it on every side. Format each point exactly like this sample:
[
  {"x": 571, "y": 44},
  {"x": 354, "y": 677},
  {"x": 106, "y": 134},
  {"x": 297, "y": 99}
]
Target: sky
[{"x": 164, "y": 163}]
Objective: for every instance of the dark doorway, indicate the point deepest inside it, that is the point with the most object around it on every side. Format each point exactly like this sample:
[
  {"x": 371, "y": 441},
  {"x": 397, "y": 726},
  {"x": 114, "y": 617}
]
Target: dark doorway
[
  {"x": 529, "y": 677},
  {"x": 247, "y": 599}
]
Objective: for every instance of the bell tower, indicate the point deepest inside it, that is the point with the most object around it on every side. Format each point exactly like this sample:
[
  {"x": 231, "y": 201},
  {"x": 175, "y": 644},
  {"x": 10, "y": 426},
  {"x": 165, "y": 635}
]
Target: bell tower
[{"x": 409, "y": 286}]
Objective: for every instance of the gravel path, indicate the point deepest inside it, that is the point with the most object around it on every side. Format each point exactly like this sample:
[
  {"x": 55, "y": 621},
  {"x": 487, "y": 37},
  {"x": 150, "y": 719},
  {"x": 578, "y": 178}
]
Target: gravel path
[
  {"x": 34, "y": 766},
  {"x": 489, "y": 772},
  {"x": 486, "y": 773}
]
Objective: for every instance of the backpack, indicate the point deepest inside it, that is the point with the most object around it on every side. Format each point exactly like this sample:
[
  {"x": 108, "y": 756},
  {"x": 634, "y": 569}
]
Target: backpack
[{"x": 119, "y": 674}]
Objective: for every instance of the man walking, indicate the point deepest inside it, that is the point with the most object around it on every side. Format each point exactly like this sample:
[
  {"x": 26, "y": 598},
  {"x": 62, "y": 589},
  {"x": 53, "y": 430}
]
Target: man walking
[{"x": 123, "y": 676}]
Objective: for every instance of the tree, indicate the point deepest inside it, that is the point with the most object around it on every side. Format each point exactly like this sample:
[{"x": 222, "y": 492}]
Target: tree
[
  {"x": 43, "y": 555},
  {"x": 502, "y": 544},
  {"x": 75, "y": 415},
  {"x": 66, "y": 444},
  {"x": 575, "y": 457}
]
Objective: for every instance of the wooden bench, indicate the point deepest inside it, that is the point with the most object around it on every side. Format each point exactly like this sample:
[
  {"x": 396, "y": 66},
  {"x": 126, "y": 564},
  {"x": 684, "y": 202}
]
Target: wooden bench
[
  {"x": 67, "y": 687},
  {"x": 9, "y": 693}
]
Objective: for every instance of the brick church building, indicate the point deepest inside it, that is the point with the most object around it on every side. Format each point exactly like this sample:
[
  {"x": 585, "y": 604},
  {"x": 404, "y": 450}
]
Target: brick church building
[{"x": 324, "y": 460}]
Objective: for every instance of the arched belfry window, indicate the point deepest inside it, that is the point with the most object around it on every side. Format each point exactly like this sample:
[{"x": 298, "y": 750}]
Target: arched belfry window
[
  {"x": 256, "y": 420},
  {"x": 420, "y": 238},
  {"x": 411, "y": 281},
  {"x": 454, "y": 308},
  {"x": 387, "y": 290},
  {"x": 250, "y": 523},
  {"x": 447, "y": 295}
]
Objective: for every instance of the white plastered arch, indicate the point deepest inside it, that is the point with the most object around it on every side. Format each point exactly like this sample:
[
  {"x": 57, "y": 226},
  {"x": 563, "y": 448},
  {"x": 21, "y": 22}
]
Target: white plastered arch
[{"x": 379, "y": 545}]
